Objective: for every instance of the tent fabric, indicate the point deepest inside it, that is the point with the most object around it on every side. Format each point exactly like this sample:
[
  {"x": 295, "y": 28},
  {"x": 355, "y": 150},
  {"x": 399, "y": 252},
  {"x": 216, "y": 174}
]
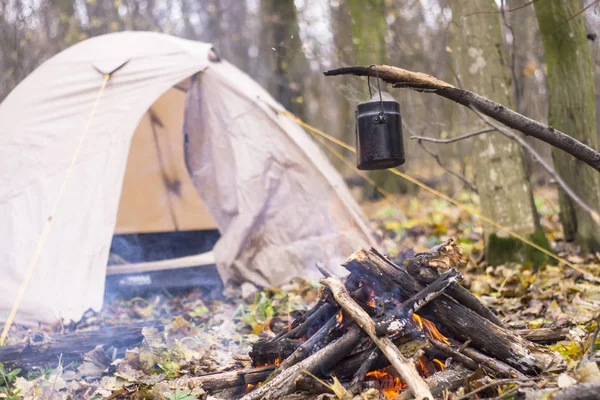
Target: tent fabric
[
  {"x": 245, "y": 170},
  {"x": 278, "y": 202}
]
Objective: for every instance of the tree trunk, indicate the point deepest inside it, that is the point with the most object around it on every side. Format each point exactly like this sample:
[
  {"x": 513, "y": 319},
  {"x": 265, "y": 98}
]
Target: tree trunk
[
  {"x": 281, "y": 51},
  {"x": 572, "y": 110},
  {"x": 500, "y": 176},
  {"x": 525, "y": 59},
  {"x": 369, "y": 28}
]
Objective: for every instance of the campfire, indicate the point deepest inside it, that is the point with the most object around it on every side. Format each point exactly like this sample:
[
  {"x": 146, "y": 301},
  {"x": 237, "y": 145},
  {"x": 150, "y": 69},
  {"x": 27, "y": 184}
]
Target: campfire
[{"x": 406, "y": 332}]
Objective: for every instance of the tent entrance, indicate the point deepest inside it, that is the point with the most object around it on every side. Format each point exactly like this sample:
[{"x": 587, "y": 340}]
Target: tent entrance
[
  {"x": 158, "y": 194},
  {"x": 162, "y": 224}
]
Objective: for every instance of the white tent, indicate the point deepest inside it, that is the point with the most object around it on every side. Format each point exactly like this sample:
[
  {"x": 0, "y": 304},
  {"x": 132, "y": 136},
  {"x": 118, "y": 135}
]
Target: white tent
[{"x": 278, "y": 203}]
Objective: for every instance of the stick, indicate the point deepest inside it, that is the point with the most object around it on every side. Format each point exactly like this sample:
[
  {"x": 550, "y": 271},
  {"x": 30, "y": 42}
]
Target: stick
[
  {"x": 403, "y": 366},
  {"x": 225, "y": 380},
  {"x": 499, "y": 367},
  {"x": 423, "y": 82},
  {"x": 450, "y": 379},
  {"x": 324, "y": 312},
  {"x": 543, "y": 335},
  {"x": 365, "y": 367},
  {"x": 283, "y": 383},
  {"x": 306, "y": 348}
]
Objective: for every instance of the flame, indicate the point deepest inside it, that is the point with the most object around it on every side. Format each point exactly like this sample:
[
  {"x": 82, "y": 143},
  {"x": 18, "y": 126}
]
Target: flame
[
  {"x": 429, "y": 328},
  {"x": 339, "y": 316},
  {"x": 440, "y": 364},
  {"x": 276, "y": 363},
  {"x": 371, "y": 301},
  {"x": 390, "y": 385},
  {"x": 423, "y": 366}
]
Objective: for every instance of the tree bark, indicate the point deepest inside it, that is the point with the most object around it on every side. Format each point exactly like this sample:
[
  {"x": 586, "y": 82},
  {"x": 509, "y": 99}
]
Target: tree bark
[
  {"x": 572, "y": 109},
  {"x": 500, "y": 176}
]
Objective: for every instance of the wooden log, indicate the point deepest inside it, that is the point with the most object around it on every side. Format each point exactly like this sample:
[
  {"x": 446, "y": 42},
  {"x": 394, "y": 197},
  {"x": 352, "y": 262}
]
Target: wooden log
[
  {"x": 403, "y": 366},
  {"x": 460, "y": 321},
  {"x": 42, "y": 349},
  {"x": 322, "y": 312},
  {"x": 364, "y": 368},
  {"x": 283, "y": 383},
  {"x": 396, "y": 320},
  {"x": 225, "y": 380},
  {"x": 450, "y": 379},
  {"x": 543, "y": 335},
  {"x": 423, "y": 267},
  {"x": 307, "y": 347},
  {"x": 272, "y": 352}
]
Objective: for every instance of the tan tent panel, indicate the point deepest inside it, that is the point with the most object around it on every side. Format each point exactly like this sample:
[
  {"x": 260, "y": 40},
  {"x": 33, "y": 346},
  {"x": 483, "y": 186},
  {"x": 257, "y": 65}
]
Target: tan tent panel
[
  {"x": 276, "y": 200},
  {"x": 167, "y": 200}
]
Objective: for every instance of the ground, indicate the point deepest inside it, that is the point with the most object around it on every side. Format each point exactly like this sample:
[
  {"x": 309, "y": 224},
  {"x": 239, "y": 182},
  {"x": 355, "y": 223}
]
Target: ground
[{"x": 203, "y": 335}]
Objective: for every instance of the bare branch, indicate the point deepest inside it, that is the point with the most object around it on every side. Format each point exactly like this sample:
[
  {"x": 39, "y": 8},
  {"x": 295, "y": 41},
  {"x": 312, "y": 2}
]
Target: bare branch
[
  {"x": 454, "y": 139},
  {"x": 422, "y": 82},
  {"x": 595, "y": 216},
  {"x": 436, "y": 157}
]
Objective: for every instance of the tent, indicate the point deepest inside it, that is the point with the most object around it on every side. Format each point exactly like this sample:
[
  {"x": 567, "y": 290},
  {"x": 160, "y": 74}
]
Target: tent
[{"x": 178, "y": 139}]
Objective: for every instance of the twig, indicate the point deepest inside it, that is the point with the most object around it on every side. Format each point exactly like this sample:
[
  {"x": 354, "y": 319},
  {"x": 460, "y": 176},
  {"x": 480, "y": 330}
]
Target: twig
[
  {"x": 494, "y": 384},
  {"x": 590, "y": 349},
  {"x": 403, "y": 366},
  {"x": 422, "y": 82},
  {"x": 502, "y": 10},
  {"x": 454, "y": 139},
  {"x": 436, "y": 157},
  {"x": 595, "y": 216},
  {"x": 584, "y": 9}
]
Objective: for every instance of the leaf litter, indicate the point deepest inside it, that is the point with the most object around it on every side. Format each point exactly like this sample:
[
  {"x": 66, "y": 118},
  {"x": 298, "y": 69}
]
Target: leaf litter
[{"x": 203, "y": 335}]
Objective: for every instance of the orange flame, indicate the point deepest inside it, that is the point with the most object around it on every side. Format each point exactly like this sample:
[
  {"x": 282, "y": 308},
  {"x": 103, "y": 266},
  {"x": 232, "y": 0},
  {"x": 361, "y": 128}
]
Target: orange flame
[
  {"x": 371, "y": 301},
  {"x": 339, "y": 316},
  {"x": 276, "y": 362},
  {"x": 429, "y": 328},
  {"x": 390, "y": 385},
  {"x": 440, "y": 364}
]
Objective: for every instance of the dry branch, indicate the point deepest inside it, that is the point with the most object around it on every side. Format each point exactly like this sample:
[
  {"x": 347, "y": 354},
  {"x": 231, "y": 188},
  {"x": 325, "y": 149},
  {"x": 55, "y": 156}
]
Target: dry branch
[
  {"x": 403, "y": 366},
  {"x": 422, "y": 82}
]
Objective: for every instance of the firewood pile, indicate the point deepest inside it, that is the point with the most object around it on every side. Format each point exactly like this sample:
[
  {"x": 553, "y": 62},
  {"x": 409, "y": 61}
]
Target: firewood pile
[{"x": 406, "y": 332}]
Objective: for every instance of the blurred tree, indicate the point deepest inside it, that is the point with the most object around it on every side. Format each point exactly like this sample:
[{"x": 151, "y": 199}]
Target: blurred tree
[
  {"x": 572, "y": 110},
  {"x": 281, "y": 51},
  {"x": 369, "y": 28},
  {"x": 504, "y": 188},
  {"x": 525, "y": 58}
]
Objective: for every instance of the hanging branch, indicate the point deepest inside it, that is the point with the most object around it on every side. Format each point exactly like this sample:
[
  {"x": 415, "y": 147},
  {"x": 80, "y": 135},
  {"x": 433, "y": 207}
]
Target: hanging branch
[{"x": 422, "y": 82}]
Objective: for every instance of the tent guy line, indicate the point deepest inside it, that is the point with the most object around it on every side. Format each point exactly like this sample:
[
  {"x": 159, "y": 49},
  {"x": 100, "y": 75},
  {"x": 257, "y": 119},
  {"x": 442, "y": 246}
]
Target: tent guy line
[
  {"x": 409, "y": 178},
  {"x": 48, "y": 225}
]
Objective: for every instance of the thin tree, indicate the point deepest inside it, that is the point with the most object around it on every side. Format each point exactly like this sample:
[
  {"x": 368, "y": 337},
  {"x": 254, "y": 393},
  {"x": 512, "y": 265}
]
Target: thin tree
[
  {"x": 571, "y": 109},
  {"x": 281, "y": 51}
]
